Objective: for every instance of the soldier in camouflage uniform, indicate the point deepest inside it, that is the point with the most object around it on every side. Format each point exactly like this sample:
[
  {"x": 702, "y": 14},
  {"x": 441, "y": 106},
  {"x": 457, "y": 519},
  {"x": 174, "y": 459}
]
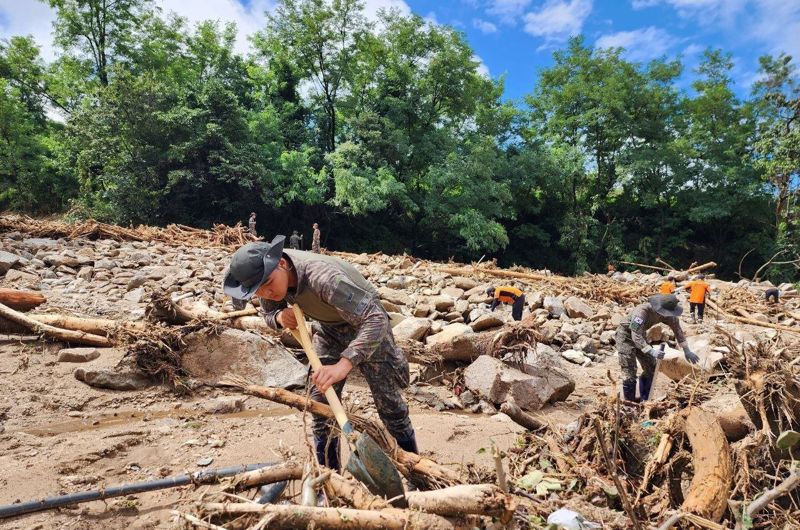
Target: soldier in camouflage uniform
[
  {"x": 351, "y": 328},
  {"x": 315, "y": 246},
  {"x": 632, "y": 344}
]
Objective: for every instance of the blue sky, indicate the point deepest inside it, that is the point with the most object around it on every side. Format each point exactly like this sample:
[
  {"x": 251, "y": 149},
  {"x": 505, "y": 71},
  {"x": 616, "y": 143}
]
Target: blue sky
[{"x": 517, "y": 37}]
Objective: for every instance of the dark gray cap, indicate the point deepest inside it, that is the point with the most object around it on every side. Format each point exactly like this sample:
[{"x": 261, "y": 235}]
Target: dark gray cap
[
  {"x": 250, "y": 266},
  {"x": 666, "y": 305}
]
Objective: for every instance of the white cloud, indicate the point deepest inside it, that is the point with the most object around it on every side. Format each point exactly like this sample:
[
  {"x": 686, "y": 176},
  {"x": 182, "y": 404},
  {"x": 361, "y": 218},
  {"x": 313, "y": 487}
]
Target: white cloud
[
  {"x": 777, "y": 24},
  {"x": 507, "y": 10},
  {"x": 482, "y": 68},
  {"x": 642, "y": 4},
  {"x": 558, "y": 19},
  {"x": 28, "y": 18},
  {"x": 431, "y": 19},
  {"x": 640, "y": 45},
  {"x": 371, "y": 7},
  {"x": 249, "y": 19},
  {"x": 484, "y": 25}
]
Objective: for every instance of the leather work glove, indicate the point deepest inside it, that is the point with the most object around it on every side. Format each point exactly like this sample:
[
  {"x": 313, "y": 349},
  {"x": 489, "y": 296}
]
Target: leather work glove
[{"x": 690, "y": 355}]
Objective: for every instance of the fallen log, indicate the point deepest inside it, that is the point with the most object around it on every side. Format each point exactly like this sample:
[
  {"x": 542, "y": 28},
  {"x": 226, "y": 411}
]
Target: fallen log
[
  {"x": 735, "y": 423},
  {"x": 699, "y": 268},
  {"x": 521, "y": 417},
  {"x": 710, "y": 488},
  {"x": 474, "y": 499},
  {"x": 750, "y": 321},
  {"x": 267, "y": 475},
  {"x": 354, "y": 492},
  {"x": 96, "y": 326},
  {"x": 65, "y": 335},
  {"x": 21, "y": 300},
  {"x": 302, "y": 517},
  {"x": 411, "y": 465}
]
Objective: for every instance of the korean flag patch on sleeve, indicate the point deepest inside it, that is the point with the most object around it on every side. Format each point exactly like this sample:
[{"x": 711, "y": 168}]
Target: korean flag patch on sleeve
[{"x": 636, "y": 322}]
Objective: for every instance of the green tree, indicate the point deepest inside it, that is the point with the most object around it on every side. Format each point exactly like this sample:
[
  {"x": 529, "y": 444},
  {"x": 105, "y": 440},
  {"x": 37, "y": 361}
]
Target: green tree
[{"x": 104, "y": 30}]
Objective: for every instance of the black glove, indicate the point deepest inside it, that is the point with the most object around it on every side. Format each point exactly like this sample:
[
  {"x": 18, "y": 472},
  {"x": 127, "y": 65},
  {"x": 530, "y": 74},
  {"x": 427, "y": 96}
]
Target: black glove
[{"x": 690, "y": 355}]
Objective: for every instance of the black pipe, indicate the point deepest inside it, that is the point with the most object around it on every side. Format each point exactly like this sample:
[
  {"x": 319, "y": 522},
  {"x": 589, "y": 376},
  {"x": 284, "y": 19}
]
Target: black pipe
[
  {"x": 269, "y": 493},
  {"x": 198, "y": 477}
]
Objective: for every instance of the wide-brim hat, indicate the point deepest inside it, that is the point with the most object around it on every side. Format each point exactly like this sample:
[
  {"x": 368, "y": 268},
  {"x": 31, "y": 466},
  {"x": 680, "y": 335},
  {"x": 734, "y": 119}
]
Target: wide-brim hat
[
  {"x": 250, "y": 266},
  {"x": 666, "y": 305}
]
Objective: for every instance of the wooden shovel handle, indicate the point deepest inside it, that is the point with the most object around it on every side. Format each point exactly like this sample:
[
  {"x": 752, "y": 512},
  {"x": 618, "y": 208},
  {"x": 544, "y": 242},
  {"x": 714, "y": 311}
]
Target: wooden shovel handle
[{"x": 304, "y": 338}]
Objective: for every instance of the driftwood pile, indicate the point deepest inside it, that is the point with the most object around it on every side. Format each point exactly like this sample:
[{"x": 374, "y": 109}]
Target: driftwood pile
[{"x": 220, "y": 236}]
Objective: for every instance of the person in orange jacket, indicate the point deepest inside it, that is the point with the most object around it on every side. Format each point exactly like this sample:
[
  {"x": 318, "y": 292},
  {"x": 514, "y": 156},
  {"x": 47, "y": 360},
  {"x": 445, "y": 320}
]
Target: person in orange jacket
[
  {"x": 668, "y": 287},
  {"x": 698, "y": 290},
  {"x": 510, "y": 295}
]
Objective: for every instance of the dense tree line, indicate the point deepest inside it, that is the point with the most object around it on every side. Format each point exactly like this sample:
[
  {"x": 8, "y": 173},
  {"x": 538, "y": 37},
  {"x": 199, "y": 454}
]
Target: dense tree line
[{"x": 387, "y": 134}]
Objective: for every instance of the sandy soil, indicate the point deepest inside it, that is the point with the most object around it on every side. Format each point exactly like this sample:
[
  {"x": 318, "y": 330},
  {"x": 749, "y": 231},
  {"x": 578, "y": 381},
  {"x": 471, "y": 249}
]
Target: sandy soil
[{"x": 61, "y": 436}]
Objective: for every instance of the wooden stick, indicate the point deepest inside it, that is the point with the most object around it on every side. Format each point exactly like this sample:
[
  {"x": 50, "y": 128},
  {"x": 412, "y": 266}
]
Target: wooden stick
[
  {"x": 75, "y": 337},
  {"x": 301, "y": 517},
  {"x": 521, "y": 417},
  {"x": 692, "y": 518},
  {"x": 704, "y": 266},
  {"x": 20, "y": 300},
  {"x": 661, "y": 261},
  {"x": 789, "y": 483},
  {"x": 646, "y": 266},
  {"x": 408, "y": 463},
  {"x": 623, "y": 496},
  {"x": 354, "y": 492},
  {"x": 191, "y": 519}
]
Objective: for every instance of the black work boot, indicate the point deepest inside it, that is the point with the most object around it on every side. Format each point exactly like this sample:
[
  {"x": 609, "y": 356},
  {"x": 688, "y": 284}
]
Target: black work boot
[
  {"x": 408, "y": 442},
  {"x": 645, "y": 382},
  {"x": 330, "y": 457},
  {"x": 629, "y": 390}
]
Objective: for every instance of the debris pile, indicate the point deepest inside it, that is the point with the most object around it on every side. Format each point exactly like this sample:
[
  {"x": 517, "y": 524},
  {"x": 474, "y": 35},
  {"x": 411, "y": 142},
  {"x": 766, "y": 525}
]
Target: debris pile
[{"x": 715, "y": 451}]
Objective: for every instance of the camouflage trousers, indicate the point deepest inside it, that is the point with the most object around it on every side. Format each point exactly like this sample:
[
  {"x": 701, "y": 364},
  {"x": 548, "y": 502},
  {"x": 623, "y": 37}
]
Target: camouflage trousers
[
  {"x": 629, "y": 354},
  {"x": 386, "y": 372}
]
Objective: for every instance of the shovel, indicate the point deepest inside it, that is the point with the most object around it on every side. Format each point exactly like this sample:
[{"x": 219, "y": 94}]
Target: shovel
[{"x": 368, "y": 463}]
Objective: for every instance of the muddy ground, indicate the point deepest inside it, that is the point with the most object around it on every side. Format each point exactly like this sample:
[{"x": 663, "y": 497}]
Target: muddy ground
[{"x": 62, "y": 436}]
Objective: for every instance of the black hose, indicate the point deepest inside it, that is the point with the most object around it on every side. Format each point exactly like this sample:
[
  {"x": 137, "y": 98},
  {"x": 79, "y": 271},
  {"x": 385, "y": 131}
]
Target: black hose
[{"x": 198, "y": 477}]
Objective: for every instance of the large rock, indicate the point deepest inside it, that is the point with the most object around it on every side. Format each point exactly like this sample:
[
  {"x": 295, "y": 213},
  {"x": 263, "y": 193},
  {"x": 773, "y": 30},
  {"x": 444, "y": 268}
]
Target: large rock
[
  {"x": 658, "y": 333},
  {"x": 112, "y": 379},
  {"x": 443, "y": 303},
  {"x": 7, "y": 261},
  {"x": 487, "y": 321},
  {"x": 554, "y": 306},
  {"x": 577, "y": 308},
  {"x": 535, "y": 300},
  {"x": 412, "y": 328},
  {"x": 453, "y": 292},
  {"x": 448, "y": 333},
  {"x": 675, "y": 366},
  {"x": 464, "y": 283},
  {"x": 22, "y": 279},
  {"x": 211, "y": 358},
  {"x": 574, "y": 356},
  {"x": 394, "y": 296},
  {"x": 496, "y": 382}
]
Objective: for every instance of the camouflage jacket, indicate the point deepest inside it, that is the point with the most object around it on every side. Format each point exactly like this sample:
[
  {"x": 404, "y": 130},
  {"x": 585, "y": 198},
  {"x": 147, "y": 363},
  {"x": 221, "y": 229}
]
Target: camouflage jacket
[
  {"x": 334, "y": 293},
  {"x": 642, "y": 318}
]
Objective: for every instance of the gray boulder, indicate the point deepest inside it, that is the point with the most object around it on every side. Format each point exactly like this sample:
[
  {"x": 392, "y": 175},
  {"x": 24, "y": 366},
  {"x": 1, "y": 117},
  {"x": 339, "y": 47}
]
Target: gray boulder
[
  {"x": 211, "y": 358},
  {"x": 577, "y": 308},
  {"x": 412, "y": 328},
  {"x": 496, "y": 382},
  {"x": 487, "y": 321},
  {"x": 554, "y": 306},
  {"x": 112, "y": 380},
  {"x": 7, "y": 261}
]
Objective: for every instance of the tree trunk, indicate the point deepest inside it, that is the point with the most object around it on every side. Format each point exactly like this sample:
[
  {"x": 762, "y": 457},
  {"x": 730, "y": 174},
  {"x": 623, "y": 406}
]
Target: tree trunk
[
  {"x": 711, "y": 457},
  {"x": 302, "y": 517},
  {"x": 75, "y": 337},
  {"x": 21, "y": 300}
]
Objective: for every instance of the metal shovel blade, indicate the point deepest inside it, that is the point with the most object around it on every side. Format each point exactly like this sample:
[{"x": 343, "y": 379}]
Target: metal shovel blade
[{"x": 370, "y": 465}]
